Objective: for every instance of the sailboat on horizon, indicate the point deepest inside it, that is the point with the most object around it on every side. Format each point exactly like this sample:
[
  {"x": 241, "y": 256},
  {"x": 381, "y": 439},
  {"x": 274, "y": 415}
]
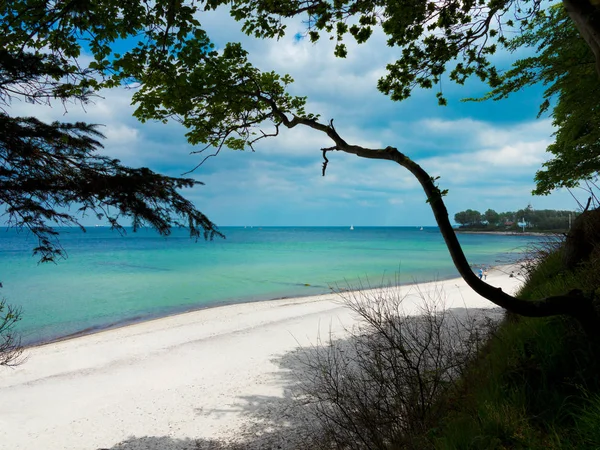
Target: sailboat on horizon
[{"x": 352, "y": 227}]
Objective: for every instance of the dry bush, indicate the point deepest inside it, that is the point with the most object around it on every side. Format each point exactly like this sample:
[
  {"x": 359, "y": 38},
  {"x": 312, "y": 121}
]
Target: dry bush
[
  {"x": 381, "y": 387},
  {"x": 538, "y": 251},
  {"x": 10, "y": 343}
]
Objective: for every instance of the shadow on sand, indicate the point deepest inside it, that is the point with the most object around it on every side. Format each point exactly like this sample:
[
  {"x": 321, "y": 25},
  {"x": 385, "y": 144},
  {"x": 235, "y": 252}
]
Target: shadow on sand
[
  {"x": 271, "y": 422},
  {"x": 168, "y": 443}
]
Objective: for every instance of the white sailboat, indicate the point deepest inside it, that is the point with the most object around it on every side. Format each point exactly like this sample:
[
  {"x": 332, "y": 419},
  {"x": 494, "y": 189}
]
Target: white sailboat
[{"x": 352, "y": 227}]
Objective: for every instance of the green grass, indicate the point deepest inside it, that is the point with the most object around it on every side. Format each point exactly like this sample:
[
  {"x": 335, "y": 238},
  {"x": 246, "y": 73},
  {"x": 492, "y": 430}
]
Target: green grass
[{"x": 537, "y": 384}]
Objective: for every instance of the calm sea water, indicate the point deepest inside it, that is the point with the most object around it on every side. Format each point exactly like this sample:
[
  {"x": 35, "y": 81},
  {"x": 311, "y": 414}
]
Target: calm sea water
[{"x": 109, "y": 279}]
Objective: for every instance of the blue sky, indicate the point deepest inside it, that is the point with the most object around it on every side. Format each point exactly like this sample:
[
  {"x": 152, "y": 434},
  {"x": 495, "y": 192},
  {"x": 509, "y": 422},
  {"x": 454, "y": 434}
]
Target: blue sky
[{"x": 485, "y": 153}]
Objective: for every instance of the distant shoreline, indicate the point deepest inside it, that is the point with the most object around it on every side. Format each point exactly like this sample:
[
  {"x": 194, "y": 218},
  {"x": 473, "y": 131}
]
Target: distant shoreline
[{"x": 510, "y": 233}]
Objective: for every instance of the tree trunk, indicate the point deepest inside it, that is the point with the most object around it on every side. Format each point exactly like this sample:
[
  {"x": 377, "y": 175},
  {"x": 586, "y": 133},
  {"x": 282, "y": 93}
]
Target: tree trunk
[{"x": 587, "y": 20}]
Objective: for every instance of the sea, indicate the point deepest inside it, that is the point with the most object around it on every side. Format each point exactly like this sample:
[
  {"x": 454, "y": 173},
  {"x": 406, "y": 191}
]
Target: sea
[{"x": 110, "y": 279}]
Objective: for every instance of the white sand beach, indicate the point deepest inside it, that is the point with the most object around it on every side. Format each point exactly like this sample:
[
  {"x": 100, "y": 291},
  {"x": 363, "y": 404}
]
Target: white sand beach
[{"x": 181, "y": 382}]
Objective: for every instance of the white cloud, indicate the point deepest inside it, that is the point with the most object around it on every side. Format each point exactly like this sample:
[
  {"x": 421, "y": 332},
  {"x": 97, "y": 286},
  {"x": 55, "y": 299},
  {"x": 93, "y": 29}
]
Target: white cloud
[
  {"x": 520, "y": 154},
  {"x": 485, "y": 153},
  {"x": 487, "y": 134}
]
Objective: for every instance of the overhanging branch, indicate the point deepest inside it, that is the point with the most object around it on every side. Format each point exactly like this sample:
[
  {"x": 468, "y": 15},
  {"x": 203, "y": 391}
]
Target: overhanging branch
[{"x": 573, "y": 304}]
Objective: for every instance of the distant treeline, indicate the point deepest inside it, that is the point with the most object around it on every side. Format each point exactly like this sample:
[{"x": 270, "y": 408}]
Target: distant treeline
[{"x": 531, "y": 219}]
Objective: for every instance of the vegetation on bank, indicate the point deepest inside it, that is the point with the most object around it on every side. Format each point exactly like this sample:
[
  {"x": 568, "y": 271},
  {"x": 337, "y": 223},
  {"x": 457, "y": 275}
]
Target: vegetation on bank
[
  {"x": 536, "y": 385},
  {"x": 526, "y": 219}
]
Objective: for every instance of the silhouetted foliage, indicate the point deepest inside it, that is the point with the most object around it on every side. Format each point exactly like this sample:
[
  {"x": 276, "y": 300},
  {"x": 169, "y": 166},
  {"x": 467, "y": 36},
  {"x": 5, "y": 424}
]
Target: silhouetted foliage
[
  {"x": 565, "y": 64},
  {"x": 48, "y": 168}
]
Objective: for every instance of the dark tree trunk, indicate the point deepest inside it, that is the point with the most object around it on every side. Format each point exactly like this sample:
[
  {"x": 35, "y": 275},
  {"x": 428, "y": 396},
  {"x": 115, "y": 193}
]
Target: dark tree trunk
[{"x": 587, "y": 19}]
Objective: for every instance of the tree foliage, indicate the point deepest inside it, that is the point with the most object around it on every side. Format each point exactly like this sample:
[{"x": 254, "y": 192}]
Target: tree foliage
[
  {"x": 565, "y": 64},
  {"x": 491, "y": 217},
  {"x": 222, "y": 98},
  {"x": 430, "y": 34},
  {"x": 225, "y": 101},
  {"x": 468, "y": 218},
  {"x": 48, "y": 169},
  {"x": 534, "y": 220}
]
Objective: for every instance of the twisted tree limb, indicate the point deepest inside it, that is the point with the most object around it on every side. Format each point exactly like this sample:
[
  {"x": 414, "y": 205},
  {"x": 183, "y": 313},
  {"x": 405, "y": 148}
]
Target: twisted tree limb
[{"x": 573, "y": 304}]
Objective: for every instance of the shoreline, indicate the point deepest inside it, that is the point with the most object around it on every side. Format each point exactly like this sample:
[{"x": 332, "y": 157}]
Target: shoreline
[
  {"x": 212, "y": 376},
  {"x": 510, "y": 233},
  {"x": 150, "y": 318}
]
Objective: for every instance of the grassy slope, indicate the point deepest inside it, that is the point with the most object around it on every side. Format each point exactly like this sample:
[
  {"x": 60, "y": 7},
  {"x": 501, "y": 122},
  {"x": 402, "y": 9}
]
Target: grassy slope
[{"x": 537, "y": 386}]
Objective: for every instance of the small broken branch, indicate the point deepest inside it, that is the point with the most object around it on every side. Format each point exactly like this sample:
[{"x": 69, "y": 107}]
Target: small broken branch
[{"x": 326, "y": 161}]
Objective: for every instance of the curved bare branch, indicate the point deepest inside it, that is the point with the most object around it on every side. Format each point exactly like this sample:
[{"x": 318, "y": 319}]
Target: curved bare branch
[{"x": 573, "y": 304}]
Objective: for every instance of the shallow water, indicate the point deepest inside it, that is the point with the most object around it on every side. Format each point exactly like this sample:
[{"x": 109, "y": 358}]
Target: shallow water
[{"x": 110, "y": 279}]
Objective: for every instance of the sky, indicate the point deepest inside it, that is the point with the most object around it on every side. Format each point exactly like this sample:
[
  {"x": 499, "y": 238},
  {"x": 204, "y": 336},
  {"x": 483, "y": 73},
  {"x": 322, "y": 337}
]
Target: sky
[{"x": 485, "y": 153}]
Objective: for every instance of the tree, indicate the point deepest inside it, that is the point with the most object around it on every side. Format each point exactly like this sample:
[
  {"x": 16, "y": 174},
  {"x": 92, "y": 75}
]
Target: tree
[
  {"x": 468, "y": 218},
  {"x": 543, "y": 220},
  {"x": 474, "y": 217},
  {"x": 225, "y": 101},
  {"x": 47, "y": 168},
  {"x": 566, "y": 65},
  {"x": 461, "y": 218},
  {"x": 491, "y": 217}
]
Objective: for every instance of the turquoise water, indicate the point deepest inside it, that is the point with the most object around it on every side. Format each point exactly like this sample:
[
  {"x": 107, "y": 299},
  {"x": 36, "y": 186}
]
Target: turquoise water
[{"x": 109, "y": 279}]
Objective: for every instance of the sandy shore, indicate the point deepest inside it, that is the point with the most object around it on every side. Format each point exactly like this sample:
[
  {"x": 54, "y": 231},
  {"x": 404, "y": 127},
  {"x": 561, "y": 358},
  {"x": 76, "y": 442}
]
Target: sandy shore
[{"x": 183, "y": 382}]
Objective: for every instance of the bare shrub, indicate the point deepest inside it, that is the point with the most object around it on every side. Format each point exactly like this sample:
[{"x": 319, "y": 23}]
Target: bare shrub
[
  {"x": 10, "y": 343},
  {"x": 381, "y": 387},
  {"x": 538, "y": 251}
]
